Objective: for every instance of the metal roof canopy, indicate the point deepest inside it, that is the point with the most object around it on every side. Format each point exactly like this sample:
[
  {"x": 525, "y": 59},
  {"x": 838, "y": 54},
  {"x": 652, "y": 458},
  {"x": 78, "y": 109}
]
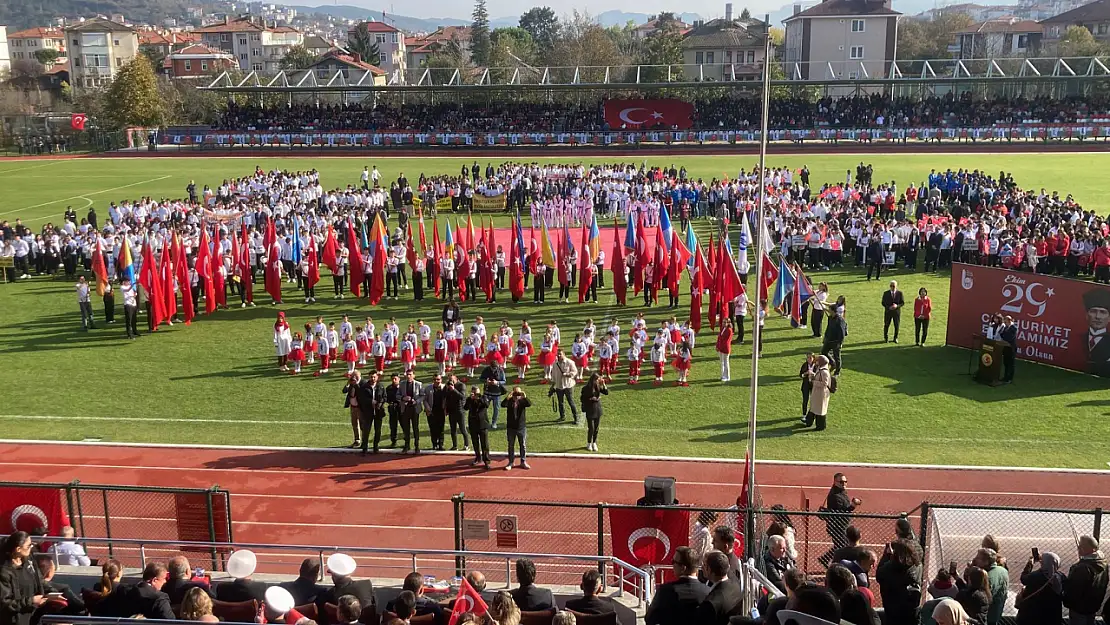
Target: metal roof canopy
[{"x": 932, "y": 71}]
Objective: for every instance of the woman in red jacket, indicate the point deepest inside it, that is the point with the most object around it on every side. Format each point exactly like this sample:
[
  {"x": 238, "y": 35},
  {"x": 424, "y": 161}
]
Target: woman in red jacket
[
  {"x": 724, "y": 349},
  {"x": 1101, "y": 260},
  {"x": 922, "y": 312}
]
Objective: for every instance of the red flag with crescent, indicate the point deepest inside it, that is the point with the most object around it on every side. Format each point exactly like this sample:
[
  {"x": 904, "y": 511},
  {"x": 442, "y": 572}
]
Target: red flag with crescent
[
  {"x": 645, "y": 114},
  {"x": 27, "y": 509},
  {"x": 77, "y": 121},
  {"x": 468, "y": 600},
  {"x": 645, "y": 536}
]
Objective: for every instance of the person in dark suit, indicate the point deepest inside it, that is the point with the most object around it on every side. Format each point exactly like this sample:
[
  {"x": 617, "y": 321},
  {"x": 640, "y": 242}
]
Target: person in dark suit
[
  {"x": 454, "y": 394},
  {"x": 437, "y": 417},
  {"x": 725, "y": 599},
  {"x": 528, "y": 596},
  {"x": 410, "y": 399},
  {"x": 44, "y": 562},
  {"x": 893, "y": 301},
  {"x": 147, "y": 598},
  {"x": 350, "y": 402},
  {"x": 414, "y": 583},
  {"x": 393, "y": 405},
  {"x": 371, "y": 404},
  {"x": 912, "y": 244},
  {"x": 342, "y": 566},
  {"x": 180, "y": 581},
  {"x": 1096, "y": 341},
  {"x": 676, "y": 603},
  {"x": 241, "y": 565},
  {"x": 304, "y": 589},
  {"x": 875, "y": 256},
  {"x": 1008, "y": 333},
  {"x": 589, "y": 602},
  {"x": 477, "y": 420}
]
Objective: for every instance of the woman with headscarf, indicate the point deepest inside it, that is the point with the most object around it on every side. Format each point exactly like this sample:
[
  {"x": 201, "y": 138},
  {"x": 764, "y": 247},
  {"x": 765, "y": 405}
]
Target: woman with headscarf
[
  {"x": 950, "y": 612},
  {"x": 1041, "y": 601},
  {"x": 283, "y": 341}
]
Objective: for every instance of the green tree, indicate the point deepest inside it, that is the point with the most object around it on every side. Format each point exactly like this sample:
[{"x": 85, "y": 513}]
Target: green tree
[
  {"x": 920, "y": 39},
  {"x": 362, "y": 43},
  {"x": 510, "y": 47},
  {"x": 47, "y": 57},
  {"x": 155, "y": 56},
  {"x": 298, "y": 57},
  {"x": 1078, "y": 41},
  {"x": 479, "y": 35},
  {"x": 662, "y": 48},
  {"x": 745, "y": 14},
  {"x": 133, "y": 98},
  {"x": 543, "y": 25}
]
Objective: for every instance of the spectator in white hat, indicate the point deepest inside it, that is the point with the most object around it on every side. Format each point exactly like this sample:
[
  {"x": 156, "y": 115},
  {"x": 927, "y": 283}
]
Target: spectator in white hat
[
  {"x": 342, "y": 566},
  {"x": 280, "y": 609},
  {"x": 240, "y": 566}
]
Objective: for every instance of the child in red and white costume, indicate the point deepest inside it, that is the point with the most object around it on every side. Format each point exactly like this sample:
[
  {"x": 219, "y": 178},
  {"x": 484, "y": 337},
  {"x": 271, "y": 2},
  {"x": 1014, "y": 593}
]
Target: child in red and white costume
[
  {"x": 526, "y": 336},
  {"x": 493, "y": 353},
  {"x": 424, "y": 333},
  {"x": 674, "y": 334},
  {"x": 309, "y": 345},
  {"x": 635, "y": 355},
  {"x": 362, "y": 343},
  {"x": 408, "y": 353},
  {"x": 522, "y": 360},
  {"x": 604, "y": 354},
  {"x": 658, "y": 359},
  {"x": 333, "y": 343},
  {"x": 440, "y": 350},
  {"x": 322, "y": 351},
  {"x": 470, "y": 357},
  {"x": 556, "y": 335},
  {"x": 580, "y": 354},
  {"x": 378, "y": 351},
  {"x": 350, "y": 355},
  {"x": 296, "y": 353},
  {"x": 547, "y": 356},
  {"x": 480, "y": 328},
  {"x": 682, "y": 362},
  {"x": 389, "y": 339}
]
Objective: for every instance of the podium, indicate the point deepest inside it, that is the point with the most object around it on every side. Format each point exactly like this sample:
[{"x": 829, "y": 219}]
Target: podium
[{"x": 990, "y": 352}]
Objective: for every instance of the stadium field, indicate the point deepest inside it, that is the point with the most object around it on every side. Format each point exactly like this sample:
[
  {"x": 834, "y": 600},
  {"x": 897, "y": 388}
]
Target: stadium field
[{"x": 215, "y": 381}]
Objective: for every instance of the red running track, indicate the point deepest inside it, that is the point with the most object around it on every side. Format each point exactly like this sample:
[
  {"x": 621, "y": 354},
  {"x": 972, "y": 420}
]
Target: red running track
[{"x": 333, "y": 498}]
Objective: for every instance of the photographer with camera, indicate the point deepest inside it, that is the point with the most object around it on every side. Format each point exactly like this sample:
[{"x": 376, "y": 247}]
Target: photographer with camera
[
  {"x": 516, "y": 425},
  {"x": 563, "y": 376},
  {"x": 477, "y": 421}
]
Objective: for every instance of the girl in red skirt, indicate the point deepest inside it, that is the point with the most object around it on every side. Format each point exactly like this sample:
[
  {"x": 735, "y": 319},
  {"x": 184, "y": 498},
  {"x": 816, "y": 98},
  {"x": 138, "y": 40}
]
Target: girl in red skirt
[
  {"x": 389, "y": 339},
  {"x": 580, "y": 354},
  {"x": 408, "y": 353},
  {"x": 635, "y": 355},
  {"x": 674, "y": 335},
  {"x": 452, "y": 347},
  {"x": 350, "y": 355},
  {"x": 440, "y": 348},
  {"x": 470, "y": 357},
  {"x": 296, "y": 353},
  {"x": 547, "y": 357},
  {"x": 553, "y": 330},
  {"x": 493, "y": 353},
  {"x": 521, "y": 359},
  {"x": 424, "y": 332},
  {"x": 309, "y": 345},
  {"x": 362, "y": 341},
  {"x": 682, "y": 363}
]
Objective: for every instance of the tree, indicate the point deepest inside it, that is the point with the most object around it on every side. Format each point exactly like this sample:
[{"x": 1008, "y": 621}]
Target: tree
[
  {"x": 362, "y": 43},
  {"x": 1078, "y": 41},
  {"x": 777, "y": 36},
  {"x": 662, "y": 48},
  {"x": 509, "y": 47},
  {"x": 543, "y": 25},
  {"x": 479, "y": 35},
  {"x": 745, "y": 14},
  {"x": 156, "y": 57},
  {"x": 133, "y": 98},
  {"x": 298, "y": 57},
  {"x": 920, "y": 39},
  {"x": 47, "y": 57}
]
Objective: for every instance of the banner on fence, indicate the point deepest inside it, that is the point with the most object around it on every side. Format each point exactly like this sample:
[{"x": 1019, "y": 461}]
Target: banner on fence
[
  {"x": 1061, "y": 322},
  {"x": 195, "y": 523},
  {"x": 648, "y": 536},
  {"x": 31, "y": 509}
]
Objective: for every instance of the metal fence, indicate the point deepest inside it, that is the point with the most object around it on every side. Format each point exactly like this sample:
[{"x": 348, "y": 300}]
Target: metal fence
[{"x": 135, "y": 512}]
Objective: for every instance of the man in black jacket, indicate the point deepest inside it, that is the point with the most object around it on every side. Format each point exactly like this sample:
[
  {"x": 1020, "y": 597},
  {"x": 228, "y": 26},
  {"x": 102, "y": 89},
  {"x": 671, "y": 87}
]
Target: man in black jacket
[
  {"x": 1086, "y": 584},
  {"x": 180, "y": 581},
  {"x": 725, "y": 599},
  {"x": 44, "y": 562},
  {"x": 528, "y": 596},
  {"x": 241, "y": 565},
  {"x": 342, "y": 566},
  {"x": 414, "y": 583},
  {"x": 393, "y": 405},
  {"x": 932, "y": 249},
  {"x": 1008, "y": 333},
  {"x": 589, "y": 602},
  {"x": 453, "y": 397},
  {"x": 837, "y": 515},
  {"x": 438, "y": 416},
  {"x": 147, "y": 598},
  {"x": 835, "y": 331},
  {"x": 675, "y": 603},
  {"x": 305, "y": 589},
  {"x": 493, "y": 379},
  {"x": 893, "y": 301},
  {"x": 477, "y": 421},
  {"x": 516, "y": 425},
  {"x": 371, "y": 404}
]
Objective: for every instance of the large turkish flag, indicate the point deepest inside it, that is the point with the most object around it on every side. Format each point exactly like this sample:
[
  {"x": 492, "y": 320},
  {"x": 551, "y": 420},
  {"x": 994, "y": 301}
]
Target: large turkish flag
[
  {"x": 645, "y": 535},
  {"x": 645, "y": 114},
  {"x": 28, "y": 509}
]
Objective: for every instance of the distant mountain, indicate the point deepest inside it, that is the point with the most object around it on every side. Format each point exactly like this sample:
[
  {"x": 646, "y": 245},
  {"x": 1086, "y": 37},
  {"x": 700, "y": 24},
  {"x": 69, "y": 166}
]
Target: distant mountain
[
  {"x": 401, "y": 22},
  {"x": 20, "y": 14}
]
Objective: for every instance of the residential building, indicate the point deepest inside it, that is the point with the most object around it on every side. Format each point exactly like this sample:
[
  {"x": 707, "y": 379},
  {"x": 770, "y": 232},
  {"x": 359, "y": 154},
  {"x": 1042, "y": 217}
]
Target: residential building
[
  {"x": 257, "y": 45},
  {"x": 840, "y": 39},
  {"x": 97, "y": 49},
  {"x": 1094, "y": 16},
  {"x": 163, "y": 42},
  {"x": 977, "y": 12},
  {"x": 391, "y": 49},
  {"x": 317, "y": 45},
  {"x": 724, "y": 49},
  {"x": 198, "y": 60},
  {"x": 5, "y": 56},
  {"x": 643, "y": 30},
  {"x": 999, "y": 38},
  {"x": 25, "y": 43},
  {"x": 353, "y": 69},
  {"x": 421, "y": 47}
]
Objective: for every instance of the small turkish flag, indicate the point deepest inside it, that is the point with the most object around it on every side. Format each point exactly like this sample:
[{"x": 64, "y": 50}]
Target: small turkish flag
[
  {"x": 77, "y": 121},
  {"x": 468, "y": 600}
]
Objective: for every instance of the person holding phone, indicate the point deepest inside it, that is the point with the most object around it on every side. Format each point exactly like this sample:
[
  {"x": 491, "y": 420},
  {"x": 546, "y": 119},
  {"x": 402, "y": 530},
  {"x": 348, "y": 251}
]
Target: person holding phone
[
  {"x": 591, "y": 406},
  {"x": 516, "y": 425},
  {"x": 477, "y": 421},
  {"x": 1042, "y": 596}
]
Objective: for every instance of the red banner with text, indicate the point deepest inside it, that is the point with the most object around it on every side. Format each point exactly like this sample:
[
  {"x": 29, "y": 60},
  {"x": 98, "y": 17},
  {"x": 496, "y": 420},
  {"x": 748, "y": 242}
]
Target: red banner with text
[
  {"x": 644, "y": 114},
  {"x": 1061, "y": 322}
]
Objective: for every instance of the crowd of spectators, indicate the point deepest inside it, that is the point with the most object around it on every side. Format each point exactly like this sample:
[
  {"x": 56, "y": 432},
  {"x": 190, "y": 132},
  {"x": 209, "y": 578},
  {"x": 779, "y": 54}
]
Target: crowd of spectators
[{"x": 731, "y": 113}]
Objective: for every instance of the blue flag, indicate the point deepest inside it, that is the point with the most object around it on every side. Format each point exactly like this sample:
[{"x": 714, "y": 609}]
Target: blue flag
[
  {"x": 785, "y": 285},
  {"x": 296, "y": 240},
  {"x": 630, "y": 234}
]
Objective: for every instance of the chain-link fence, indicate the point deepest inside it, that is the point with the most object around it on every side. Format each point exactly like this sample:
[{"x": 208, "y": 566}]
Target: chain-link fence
[{"x": 131, "y": 512}]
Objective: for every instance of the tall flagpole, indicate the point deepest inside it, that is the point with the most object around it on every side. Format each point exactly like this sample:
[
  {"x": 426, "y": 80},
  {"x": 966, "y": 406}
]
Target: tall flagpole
[{"x": 760, "y": 244}]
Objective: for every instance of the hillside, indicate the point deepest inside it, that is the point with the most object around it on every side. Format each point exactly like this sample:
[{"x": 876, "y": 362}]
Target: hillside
[{"x": 20, "y": 14}]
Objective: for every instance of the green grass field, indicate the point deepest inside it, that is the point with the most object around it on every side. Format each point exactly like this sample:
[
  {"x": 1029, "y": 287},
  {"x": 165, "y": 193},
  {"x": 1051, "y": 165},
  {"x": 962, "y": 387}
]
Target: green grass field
[{"x": 215, "y": 382}]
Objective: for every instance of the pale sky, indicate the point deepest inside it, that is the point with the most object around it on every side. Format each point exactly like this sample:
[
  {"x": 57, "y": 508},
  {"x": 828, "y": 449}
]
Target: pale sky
[{"x": 461, "y": 9}]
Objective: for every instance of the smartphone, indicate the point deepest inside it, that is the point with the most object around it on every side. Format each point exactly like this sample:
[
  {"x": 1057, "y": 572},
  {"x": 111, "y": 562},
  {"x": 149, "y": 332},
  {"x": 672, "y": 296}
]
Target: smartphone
[{"x": 1036, "y": 554}]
